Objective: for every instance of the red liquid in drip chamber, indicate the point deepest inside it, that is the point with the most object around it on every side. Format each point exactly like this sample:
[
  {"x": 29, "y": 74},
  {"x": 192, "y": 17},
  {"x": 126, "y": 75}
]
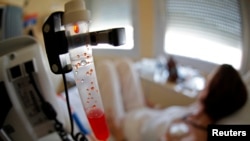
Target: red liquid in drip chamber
[{"x": 98, "y": 124}]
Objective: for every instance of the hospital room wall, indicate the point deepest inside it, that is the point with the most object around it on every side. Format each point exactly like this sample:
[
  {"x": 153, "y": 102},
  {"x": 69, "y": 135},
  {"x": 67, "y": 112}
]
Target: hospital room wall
[{"x": 146, "y": 24}]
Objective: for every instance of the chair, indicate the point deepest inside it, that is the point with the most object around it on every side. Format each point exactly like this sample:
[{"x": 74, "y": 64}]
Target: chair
[
  {"x": 110, "y": 90},
  {"x": 122, "y": 95},
  {"x": 131, "y": 88}
]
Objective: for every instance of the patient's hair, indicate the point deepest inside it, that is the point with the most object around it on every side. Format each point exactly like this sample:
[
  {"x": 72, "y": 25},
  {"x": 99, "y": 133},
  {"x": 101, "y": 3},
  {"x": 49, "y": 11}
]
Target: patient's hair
[{"x": 226, "y": 93}]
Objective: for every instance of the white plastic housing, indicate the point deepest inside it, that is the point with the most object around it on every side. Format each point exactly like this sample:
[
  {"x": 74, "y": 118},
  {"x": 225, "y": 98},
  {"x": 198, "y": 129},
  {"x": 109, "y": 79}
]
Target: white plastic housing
[
  {"x": 75, "y": 11},
  {"x": 15, "y": 52}
]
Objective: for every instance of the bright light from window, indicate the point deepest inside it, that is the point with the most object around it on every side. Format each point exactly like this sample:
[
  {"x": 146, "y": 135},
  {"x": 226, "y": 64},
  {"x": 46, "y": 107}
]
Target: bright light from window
[{"x": 188, "y": 45}]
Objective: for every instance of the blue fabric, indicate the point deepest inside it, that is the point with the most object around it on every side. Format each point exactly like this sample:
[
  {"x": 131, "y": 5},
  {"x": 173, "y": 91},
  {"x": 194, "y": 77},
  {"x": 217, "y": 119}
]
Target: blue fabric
[{"x": 79, "y": 124}]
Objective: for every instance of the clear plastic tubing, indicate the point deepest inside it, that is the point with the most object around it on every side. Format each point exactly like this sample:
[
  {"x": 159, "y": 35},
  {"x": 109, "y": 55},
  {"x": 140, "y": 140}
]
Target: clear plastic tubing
[{"x": 85, "y": 77}]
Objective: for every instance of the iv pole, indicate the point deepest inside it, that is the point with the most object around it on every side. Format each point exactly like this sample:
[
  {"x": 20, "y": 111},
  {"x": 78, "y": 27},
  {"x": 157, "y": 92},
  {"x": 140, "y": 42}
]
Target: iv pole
[{"x": 60, "y": 42}]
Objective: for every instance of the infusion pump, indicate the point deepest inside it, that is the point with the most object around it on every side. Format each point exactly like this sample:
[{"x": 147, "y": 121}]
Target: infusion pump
[{"x": 21, "y": 115}]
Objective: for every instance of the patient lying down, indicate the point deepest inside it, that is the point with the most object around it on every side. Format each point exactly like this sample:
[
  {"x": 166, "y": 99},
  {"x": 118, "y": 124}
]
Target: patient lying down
[{"x": 224, "y": 94}]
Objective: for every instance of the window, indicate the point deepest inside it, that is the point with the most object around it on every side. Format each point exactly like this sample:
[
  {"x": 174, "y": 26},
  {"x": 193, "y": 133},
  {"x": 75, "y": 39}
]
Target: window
[
  {"x": 206, "y": 30},
  {"x": 108, "y": 14}
]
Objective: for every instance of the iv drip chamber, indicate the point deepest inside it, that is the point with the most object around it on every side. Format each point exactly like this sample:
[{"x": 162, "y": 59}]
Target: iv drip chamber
[{"x": 85, "y": 77}]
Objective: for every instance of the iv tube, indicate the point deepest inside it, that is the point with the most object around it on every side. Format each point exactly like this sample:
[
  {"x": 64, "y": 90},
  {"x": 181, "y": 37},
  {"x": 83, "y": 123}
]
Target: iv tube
[{"x": 85, "y": 77}]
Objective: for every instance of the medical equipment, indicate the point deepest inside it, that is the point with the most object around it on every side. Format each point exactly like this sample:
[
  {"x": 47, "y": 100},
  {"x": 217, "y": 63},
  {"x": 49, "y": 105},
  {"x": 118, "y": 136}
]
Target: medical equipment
[
  {"x": 29, "y": 108},
  {"x": 68, "y": 46}
]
